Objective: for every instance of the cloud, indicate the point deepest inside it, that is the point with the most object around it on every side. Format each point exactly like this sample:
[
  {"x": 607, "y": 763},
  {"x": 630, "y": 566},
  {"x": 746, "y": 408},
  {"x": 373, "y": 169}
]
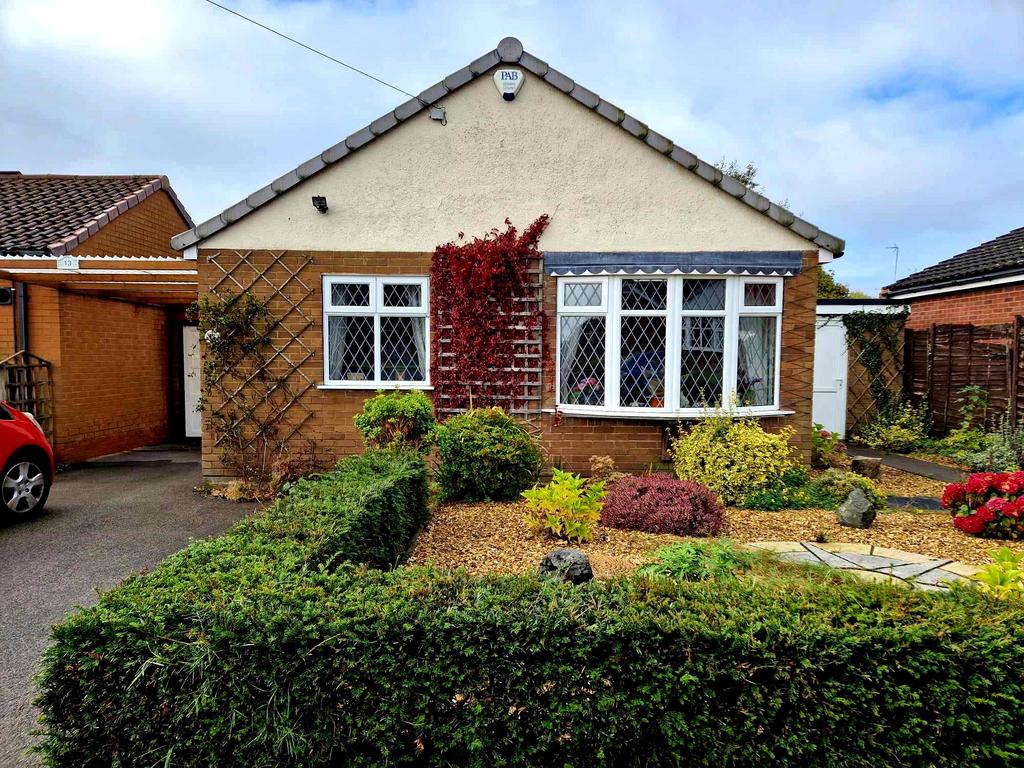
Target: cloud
[{"x": 884, "y": 123}]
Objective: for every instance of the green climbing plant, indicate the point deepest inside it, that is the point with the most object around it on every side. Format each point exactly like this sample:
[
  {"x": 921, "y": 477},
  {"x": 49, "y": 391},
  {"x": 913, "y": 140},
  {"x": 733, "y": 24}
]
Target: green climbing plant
[
  {"x": 875, "y": 338},
  {"x": 240, "y": 392}
]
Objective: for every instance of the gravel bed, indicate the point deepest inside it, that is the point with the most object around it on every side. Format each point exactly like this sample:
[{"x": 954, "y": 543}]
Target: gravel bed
[{"x": 492, "y": 538}]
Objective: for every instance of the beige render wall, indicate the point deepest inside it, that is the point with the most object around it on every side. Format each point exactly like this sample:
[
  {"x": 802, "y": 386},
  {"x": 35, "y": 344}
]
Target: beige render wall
[{"x": 421, "y": 183}]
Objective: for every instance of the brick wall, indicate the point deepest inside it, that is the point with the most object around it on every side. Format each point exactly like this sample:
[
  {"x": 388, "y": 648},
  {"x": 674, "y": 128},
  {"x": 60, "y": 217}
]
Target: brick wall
[
  {"x": 144, "y": 230},
  {"x": 112, "y": 377},
  {"x": 326, "y": 415},
  {"x": 981, "y": 307}
]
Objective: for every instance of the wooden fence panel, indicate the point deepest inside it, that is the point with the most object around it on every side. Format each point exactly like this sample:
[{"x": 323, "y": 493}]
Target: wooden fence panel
[{"x": 943, "y": 360}]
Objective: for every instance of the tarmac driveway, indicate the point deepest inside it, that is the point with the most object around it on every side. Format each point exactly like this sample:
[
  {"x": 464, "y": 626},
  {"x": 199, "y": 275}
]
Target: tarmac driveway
[{"x": 104, "y": 520}]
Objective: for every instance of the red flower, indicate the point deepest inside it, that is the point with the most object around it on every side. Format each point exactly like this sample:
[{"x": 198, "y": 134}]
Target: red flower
[
  {"x": 985, "y": 513},
  {"x": 998, "y": 506},
  {"x": 1013, "y": 484},
  {"x": 1015, "y": 509},
  {"x": 979, "y": 483},
  {"x": 953, "y": 495},
  {"x": 969, "y": 524}
]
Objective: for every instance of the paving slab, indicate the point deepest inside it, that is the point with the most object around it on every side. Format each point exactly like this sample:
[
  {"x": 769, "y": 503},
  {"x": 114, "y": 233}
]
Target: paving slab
[{"x": 914, "y": 466}]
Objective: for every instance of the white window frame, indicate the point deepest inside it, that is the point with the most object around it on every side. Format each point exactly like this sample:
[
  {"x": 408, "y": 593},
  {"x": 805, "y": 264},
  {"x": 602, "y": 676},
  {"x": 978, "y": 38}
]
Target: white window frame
[
  {"x": 376, "y": 310},
  {"x": 611, "y": 310}
]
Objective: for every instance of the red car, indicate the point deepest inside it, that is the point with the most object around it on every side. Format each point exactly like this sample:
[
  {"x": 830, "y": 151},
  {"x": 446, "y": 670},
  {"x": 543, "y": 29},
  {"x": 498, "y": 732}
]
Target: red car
[{"x": 27, "y": 460}]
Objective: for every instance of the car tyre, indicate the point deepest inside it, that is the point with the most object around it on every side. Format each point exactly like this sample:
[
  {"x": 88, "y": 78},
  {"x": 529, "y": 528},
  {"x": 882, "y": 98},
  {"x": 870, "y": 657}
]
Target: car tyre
[{"x": 24, "y": 487}]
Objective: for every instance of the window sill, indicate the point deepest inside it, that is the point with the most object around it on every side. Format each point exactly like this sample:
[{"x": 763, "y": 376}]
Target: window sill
[
  {"x": 373, "y": 386},
  {"x": 632, "y": 413}
]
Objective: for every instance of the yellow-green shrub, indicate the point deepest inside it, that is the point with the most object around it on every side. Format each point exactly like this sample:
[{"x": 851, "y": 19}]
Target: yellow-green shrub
[
  {"x": 568, "y": 507},
  {"x": 732, "y": 456}
]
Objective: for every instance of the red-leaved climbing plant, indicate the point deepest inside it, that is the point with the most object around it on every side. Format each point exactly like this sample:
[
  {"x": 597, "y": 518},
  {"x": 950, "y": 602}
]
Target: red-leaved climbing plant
[{"x": 481, "y": 318}]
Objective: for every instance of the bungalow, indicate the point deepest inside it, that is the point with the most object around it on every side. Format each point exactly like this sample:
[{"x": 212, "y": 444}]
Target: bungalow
[{"x": 664, "y": 285}]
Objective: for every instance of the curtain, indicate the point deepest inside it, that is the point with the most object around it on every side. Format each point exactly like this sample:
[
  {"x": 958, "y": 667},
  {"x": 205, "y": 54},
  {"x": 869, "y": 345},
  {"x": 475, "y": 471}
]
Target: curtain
[
  {"x": 755, "y": 374},
  {"x": 419, "y": 331}
]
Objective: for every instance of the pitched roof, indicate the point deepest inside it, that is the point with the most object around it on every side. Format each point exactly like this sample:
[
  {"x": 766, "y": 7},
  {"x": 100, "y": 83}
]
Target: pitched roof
[
  {"x": 1001, "y": 257},
  {"x": 510, "y": 51},
  {"x": 55, "y": 213}
]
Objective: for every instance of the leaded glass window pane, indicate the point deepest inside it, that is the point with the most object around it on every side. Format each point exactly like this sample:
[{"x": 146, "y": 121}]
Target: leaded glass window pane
[
  {"x": 642, "y": 362},
  {"x": 350, "y": 294},
  {"x": 644, "y": 294},
  {"x": 582, "y": 295},
  {"x": 701, "y": 362},
  {"x": 403, "y": 295},
  {"x": 351, "y": 348},
  {"x": 581, "y": 358},
  {"x": 759, "y": 295},
  {"x": 403, "y": 348},
  {"x": 703, "y": 295},
  {"x": 755, "y": 374}
]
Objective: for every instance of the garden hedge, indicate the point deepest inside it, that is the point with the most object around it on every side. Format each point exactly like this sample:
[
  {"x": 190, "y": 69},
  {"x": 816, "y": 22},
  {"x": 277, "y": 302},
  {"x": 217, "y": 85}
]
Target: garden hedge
[{"x": 267, "y": 647}]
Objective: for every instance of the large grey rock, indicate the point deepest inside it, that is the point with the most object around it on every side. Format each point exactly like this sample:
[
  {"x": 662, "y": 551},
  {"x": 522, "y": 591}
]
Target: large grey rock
[
  {"x": 571, "y": 564},
  {"x": 867, "y": 466},
  {"x": 856, "y": 511}
]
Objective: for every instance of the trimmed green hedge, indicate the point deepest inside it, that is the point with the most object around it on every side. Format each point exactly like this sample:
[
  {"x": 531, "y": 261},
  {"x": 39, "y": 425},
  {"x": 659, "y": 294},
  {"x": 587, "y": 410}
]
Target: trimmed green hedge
[{"x": 255, "y": 662}]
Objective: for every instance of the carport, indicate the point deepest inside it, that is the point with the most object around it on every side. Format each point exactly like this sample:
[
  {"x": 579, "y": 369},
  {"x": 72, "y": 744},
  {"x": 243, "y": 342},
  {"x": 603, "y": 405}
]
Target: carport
[{"x": 104, "y": 356}]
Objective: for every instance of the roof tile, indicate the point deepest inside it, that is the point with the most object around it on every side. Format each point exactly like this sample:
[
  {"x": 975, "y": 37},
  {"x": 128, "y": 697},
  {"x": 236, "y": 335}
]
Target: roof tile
[
  {"x": 37, "y": 210},
  {"x": 1001, "y": 256}
]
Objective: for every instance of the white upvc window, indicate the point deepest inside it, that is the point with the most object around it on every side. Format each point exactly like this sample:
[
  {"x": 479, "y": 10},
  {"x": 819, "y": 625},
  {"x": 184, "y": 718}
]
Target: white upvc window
[
  {"x": 376, "y": 331},
  {"x": 668, "y": 345}
]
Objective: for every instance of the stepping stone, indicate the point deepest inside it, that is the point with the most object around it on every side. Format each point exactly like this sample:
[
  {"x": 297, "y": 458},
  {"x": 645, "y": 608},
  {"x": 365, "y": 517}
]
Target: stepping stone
[
  {"x": 800, "y": 557},
  {"x": 870, "y": 562},
  {"x": 937, "y": 577},
  {"x": 778, "y": 546},
  {"x": 916, "y": 570},
  {"x": 925, "y": 503},
  {"x": 899, "y": 554},
  {"x": 827, "y": 557},
  {"x": 844, "y": 547}
]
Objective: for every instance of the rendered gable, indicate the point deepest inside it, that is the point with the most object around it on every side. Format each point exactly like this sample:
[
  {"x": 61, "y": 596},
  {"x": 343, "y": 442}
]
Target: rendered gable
[{"x": 422, "y": 183}]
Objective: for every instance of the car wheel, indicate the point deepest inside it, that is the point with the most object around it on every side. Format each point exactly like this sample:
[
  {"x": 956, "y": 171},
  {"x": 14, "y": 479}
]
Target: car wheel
[{"x": 24, "y": 488}]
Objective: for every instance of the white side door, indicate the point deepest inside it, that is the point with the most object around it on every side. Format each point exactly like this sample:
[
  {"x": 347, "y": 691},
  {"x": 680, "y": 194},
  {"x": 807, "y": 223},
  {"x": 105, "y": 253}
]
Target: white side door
[
  {"x": 190, "y": 350},
  {"x": 828, "y": 406}
]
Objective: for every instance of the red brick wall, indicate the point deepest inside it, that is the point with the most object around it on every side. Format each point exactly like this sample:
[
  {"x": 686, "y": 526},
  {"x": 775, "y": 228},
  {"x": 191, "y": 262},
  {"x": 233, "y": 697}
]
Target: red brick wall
[
  {"x": 111, "y": 379},
  {"x": 987, "y": 306},
  {"x": 144, "y": 230},
  {"x": 570, "y": 441}
]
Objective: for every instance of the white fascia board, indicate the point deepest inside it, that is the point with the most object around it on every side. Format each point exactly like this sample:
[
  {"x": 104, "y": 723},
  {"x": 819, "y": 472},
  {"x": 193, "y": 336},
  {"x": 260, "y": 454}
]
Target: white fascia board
[
  {"x": 996, "y": 281},
  {"x": 191, "y": 253},
  {"x": 825, "y": 257},
  {"x": 853, "y": 306}
]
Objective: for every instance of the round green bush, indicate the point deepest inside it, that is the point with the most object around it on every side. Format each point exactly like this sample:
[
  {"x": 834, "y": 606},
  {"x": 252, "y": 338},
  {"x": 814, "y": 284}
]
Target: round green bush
[
  {"x": 397, "y": 421},
  {"x": 485, "y": 455}
]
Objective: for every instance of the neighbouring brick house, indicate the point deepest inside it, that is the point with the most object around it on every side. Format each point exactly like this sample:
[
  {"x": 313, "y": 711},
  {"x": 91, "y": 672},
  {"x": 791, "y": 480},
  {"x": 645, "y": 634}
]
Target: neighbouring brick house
[
  {"x": 92, "y": 309},
  {"x": 983, "y": 286},
  {"x": 665, "y": 284}
]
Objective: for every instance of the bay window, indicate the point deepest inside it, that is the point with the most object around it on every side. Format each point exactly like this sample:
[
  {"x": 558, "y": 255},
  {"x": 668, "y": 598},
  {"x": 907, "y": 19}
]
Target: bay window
[
  {"x": 376, "y": 331},
  {"x": 668, "y": 345}
]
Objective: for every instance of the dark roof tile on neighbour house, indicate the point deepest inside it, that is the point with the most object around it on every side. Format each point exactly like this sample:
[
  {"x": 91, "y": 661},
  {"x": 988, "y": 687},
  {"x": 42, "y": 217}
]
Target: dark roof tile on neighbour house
[
  {"x": 510, "y": 51},
  {"x": 1001, "y": 257},
  {"x": 53, "y": 214}
]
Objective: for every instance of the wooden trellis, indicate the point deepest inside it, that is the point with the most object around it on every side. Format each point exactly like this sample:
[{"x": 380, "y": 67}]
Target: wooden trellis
[
  {"x": 267, "y": 403},
  {"x": 26, "y": 383},
  {"x": 860, "y": 403},
  {"x": 526, "y": 357}
]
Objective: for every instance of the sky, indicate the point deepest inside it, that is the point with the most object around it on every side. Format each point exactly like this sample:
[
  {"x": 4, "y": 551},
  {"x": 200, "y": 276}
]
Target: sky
[{"x": 895, "y": 123}]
